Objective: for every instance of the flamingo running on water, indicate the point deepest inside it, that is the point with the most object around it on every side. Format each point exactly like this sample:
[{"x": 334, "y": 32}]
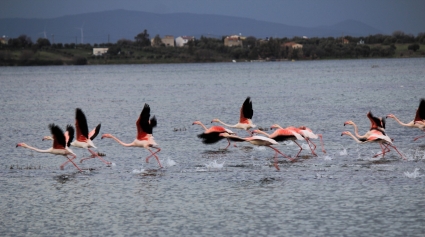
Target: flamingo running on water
[
  {"x": 258, "y": 141},
  {"x": 417, "y": 122},
  {"x": 245, "y": 120},
  {"x": 307, "y": 134},
  {"x": 144, "y": 136},
  {"x": 283, "y": 134},
  {"x": 376, "y": 136},
  {"x": 211, "y": 135},
  {"x": 61, "y": 142},
  {"x": 84, "y": 138}
]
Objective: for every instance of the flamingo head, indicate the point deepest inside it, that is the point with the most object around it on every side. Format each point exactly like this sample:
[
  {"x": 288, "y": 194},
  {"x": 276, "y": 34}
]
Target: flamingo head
[
  {"x": 215, "y": 120},
  {"x": 256, "y": 131},
  {"x": 107, "y": 135},
  {"x": 47, "y": 138},
  {"x": 390, "y": 116},
  {"x": 349, "y": 122},
  {"x": 345, "y": 133},
  {"x": 275, "y": 126},
  {"x": 22, "y": 145},
  {"x": 196, "y": 122}
]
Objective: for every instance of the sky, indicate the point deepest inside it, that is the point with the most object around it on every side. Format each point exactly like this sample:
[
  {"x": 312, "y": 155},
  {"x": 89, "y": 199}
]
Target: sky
[{"x": 386, "y": 15}]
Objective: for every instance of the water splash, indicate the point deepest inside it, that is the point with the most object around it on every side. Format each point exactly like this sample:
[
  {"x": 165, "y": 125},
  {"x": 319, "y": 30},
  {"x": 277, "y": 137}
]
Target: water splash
[
  {"x": 138, "y": 171},
  {"x": 169, "y": 163},
  {"x": 414, "y": 174},
  {"x": 327, "y": 157},
  {"x": 343, "y": 152},
  {"x": 215, "y": 165}
]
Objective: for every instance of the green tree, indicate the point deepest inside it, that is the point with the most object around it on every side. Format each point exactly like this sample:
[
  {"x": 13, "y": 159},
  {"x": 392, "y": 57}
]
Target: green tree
[
  {"x": 142, "y": 39},
  {"x": 41, "y": 42},
  {"x": 413, "y": 47}
]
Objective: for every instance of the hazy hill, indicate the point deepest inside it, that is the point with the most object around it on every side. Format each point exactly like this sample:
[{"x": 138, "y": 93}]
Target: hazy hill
[{"x": 99, "y": 27}]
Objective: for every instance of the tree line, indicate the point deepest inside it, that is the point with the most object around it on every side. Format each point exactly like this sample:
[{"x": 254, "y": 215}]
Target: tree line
[{"x": 213, "y": 49}]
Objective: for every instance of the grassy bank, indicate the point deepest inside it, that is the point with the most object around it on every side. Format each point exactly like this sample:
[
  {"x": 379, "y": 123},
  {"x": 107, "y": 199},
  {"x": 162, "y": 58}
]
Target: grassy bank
[{"x": 134, "y": 55}]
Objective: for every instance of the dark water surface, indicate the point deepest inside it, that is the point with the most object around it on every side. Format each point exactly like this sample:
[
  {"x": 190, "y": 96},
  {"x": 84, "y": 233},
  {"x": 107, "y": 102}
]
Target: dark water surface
[{"x": 344, "y": 192}]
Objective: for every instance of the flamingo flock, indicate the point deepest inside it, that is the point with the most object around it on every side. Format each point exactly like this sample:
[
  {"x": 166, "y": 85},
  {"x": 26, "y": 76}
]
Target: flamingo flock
[{"x": 145, "y": 124}]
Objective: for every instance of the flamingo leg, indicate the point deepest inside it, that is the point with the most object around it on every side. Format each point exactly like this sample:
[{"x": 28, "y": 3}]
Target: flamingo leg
[
  {"x": 300, "y": 149},
  {"x": 287, "y": 157},
  {"x": 404, "y": 158},
  {"x": 312, "y": 150},
  {"x": 70, "y": 160},
  {"x": 416, "y": 138},
  {"x": 384, "y": 149},
  {"x": 275, "y": 161},
  {"x": 154, "y": 154},
  {"x": 321, "y": 142},
  {"x": 94, "y": 155},
  {"x": 227, "y": 145}
]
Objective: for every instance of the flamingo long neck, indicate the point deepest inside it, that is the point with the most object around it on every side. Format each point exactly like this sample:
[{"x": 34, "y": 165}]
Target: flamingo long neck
[
  {"x": 120, "y": 142},
  {"x": 38, "y": 150},
  {"x": 403, "y": 124},
  {"x": 202, "y": 125},
  {"x": 225, "y": 124},
  {"x": 264, "y": 133},
  {"x": 355, "y": 138},
  {"x": 356, "y": 131}
]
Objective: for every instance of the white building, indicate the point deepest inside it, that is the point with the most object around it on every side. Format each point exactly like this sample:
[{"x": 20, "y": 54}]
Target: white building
[
  {"x": 182, "y": 40},
  {"x": 99, "y": 51}
]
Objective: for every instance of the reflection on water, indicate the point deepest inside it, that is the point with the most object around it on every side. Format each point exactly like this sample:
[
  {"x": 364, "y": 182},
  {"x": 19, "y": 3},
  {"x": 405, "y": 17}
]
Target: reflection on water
[{"x": 205, "y": 190}]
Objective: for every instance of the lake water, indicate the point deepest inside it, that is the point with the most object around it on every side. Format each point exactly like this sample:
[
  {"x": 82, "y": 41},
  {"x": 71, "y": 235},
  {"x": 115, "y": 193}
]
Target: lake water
[{"x": 345, "y": 192}]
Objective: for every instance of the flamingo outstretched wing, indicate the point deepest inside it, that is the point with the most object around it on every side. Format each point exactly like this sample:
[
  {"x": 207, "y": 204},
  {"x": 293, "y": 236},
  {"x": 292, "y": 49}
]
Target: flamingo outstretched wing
[
  {"x": 93, "y": 133},
  {"x": 420, "y": 112},
  {"x": 376, "y": 123},
  {"x": 246, "y": 110},
  {"x": 69, "y": 134},
  {"x": 82, "y": 131},
  {"x": 58, "y": 137},
  {"x": 144, "y": 124}
]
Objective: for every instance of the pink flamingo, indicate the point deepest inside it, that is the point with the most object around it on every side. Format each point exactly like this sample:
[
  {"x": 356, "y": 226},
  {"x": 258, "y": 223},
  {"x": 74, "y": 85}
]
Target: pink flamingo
[
  {"x": 283, "y": 134},
  {"x": 84, "y": 138},
  {"x": 60, "y": 144},
  {"x": 376, "y": 136},
  {"x": 258, "y": 141},
  {"x": 417, "y": 122},
  {"x": 144, "y": 136},
  {"x": 245, "y": 120},
  {"x": 307, "y": 134},
  {"x": 211, "y": 135}
]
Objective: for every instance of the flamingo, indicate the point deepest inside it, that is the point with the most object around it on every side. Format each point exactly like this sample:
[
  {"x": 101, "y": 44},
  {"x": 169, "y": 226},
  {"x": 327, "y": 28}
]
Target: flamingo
[
  {"x": 308, "y": 134},
  {"x": 258, "y": 141},
  {"x": 61, "y": 142},
  {"x": 376, "y": 136},
  {"x": 417, "y": 122},
  {"x": 84, "y": 138},
  {"x": 144, "y": 136},
  {"x": 245, "y": 120},
  {"x": 283, "y": 134},
  {"x": 211, "y": 135}
]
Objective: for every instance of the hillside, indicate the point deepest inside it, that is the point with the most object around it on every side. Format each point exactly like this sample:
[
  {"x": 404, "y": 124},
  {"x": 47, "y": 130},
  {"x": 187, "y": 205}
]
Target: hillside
[{"x": 110, "y": 26}]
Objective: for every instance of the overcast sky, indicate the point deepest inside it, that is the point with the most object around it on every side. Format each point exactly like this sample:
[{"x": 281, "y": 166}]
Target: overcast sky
[{"x": 385, "y": 15}]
